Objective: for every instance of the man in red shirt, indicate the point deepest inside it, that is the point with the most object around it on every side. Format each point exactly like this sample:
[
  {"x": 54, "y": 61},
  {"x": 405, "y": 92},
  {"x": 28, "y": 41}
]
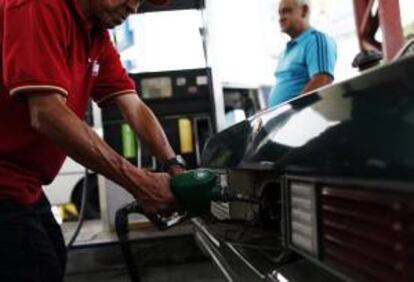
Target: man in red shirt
[{"x": 55, "y": 54}]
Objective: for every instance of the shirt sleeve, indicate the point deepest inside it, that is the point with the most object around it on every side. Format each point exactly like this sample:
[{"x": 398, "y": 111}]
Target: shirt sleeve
[
  {"x": 34, "y": 58},
  {"x": 321, "y": 55},
  {"x": 113, "y": 80}
]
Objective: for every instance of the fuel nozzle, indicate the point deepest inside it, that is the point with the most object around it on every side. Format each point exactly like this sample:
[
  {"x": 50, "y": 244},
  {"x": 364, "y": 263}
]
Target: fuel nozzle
[{"x": 196, "y": 189}]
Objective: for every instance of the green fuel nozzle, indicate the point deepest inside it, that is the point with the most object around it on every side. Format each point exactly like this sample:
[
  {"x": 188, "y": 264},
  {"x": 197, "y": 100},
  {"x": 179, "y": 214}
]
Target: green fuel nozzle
[{"x": 196, "y": 189}]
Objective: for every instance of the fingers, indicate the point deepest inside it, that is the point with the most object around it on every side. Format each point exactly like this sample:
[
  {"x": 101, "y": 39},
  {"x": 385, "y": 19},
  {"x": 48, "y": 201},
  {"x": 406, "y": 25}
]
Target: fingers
[
  {"x": 159, "y": 197},
  {"x": 176, "y": 170}
]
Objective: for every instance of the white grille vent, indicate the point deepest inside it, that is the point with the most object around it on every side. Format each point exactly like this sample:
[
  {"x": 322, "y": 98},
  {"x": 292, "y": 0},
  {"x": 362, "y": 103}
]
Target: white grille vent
[{"x": 303, "y": 217}]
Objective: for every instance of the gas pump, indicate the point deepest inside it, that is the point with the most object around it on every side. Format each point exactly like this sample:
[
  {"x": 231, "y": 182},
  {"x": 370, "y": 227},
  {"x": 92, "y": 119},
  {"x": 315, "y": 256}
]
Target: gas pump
[
  {"x": 189, "y": 105},
  {"x": 182, "y": 101}
]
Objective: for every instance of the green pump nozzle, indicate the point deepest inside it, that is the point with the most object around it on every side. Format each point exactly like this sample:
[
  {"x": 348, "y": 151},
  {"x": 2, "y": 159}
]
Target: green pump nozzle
[{"x": 196, "y": 189}]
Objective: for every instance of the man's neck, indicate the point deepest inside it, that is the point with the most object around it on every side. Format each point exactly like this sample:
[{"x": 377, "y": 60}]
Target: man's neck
[
  {"x": 85, "y": 7},
  {"x": 296, "y": 33}
]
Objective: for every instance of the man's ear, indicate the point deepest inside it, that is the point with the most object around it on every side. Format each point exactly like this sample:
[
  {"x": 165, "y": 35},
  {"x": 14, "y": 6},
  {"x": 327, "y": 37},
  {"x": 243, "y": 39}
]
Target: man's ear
[{"x": 305, "y": 11}]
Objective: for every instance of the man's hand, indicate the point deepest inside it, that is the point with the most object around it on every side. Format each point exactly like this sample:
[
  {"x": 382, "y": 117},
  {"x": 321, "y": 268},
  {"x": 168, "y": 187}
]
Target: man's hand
[
  {"x": 175, "y": 170},
  {"x": 154, "y": 192}
]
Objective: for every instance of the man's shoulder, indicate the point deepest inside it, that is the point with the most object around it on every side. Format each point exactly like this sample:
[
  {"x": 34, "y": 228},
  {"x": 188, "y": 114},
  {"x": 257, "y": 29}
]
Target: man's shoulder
[
  {"x": 46, "y": 3},
  {"x": 56, "y": 12},
  {"x": 58, "y": 7},
  {"x": 319, "y": 36}
]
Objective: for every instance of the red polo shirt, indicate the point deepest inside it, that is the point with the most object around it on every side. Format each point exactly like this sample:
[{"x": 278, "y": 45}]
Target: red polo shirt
[{"x": 47, "y": 46}]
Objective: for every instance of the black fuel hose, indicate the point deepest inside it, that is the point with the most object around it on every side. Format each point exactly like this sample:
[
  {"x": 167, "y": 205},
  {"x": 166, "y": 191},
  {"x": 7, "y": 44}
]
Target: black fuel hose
[
  {"x": 81, "y": 212},
  {"x": 122, "y": 231}
]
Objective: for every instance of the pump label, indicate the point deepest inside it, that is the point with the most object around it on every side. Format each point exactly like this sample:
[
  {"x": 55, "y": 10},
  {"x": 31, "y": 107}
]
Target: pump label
[
  {"x": 129, "y": 146},
  {"x": 186, "y": 136}
]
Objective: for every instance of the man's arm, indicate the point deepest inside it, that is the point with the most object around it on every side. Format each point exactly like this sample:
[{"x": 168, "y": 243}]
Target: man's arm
[
  {"x": 320, "y": 56},
  {"x": 50, "y": 116},
  {"x": 317, "y": 81},
  {"x": 146, "y": 126}
]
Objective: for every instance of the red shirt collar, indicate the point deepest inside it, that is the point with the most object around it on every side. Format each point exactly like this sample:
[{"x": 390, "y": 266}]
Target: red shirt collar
[{"x": 76, "y": 7}]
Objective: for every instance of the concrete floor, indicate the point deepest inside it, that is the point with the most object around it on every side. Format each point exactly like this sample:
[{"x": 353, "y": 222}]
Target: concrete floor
[
  {"x": 171, "y": 256},
  {"x": 189, "y": 272}
]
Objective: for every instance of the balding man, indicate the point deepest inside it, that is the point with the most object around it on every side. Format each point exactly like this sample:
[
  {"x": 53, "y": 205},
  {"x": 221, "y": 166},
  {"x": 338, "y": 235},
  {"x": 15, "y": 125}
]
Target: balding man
[
  {"x": 308, "y": 62},
  {"x": 55, "y": 55}
]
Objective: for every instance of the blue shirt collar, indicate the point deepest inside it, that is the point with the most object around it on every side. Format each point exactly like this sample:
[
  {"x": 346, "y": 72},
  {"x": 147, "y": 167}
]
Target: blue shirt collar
[{"x": 301, "y": 37}]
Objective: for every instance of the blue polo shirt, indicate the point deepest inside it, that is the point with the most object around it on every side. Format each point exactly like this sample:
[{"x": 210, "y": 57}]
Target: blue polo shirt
[{"x": 311, "y": 53}]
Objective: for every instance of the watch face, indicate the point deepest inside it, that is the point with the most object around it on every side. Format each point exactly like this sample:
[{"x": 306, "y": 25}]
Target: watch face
[
  {"x": 177, "y": 160},
  {"x": 180, "y": 160}
]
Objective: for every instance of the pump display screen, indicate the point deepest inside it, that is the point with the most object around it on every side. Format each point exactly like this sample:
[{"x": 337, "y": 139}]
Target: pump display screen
[
  {"x": 156, "y": 87},
  {"x": 174, "y": 86}
]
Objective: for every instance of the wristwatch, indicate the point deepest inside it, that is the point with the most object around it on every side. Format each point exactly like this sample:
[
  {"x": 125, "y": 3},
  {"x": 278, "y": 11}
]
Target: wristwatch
[{"x": 177, "y": 160}]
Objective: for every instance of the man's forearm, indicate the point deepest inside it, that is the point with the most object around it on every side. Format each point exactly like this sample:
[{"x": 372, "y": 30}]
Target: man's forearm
[
  {"x": 51, "y": 117},
  {"x": 316, "y": 82},
  {"x": 145, "y": 125}
]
